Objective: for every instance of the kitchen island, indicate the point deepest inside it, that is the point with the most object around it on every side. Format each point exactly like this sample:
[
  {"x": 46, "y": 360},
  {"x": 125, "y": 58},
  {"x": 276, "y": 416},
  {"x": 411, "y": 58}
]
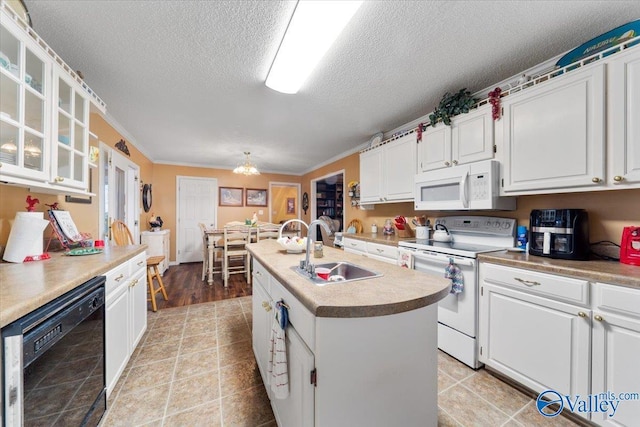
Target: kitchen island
[{"x": 358, "y": 353}]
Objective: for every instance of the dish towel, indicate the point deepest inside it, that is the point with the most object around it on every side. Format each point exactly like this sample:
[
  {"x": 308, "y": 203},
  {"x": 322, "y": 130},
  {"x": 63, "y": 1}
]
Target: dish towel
[
  {"x": 454, "y": 273},
  {"x": 277, "y": 368}
]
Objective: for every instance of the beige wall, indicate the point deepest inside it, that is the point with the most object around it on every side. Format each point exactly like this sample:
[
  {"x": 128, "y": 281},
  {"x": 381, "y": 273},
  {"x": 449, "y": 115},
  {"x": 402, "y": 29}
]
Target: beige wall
[
  {"x": 609, "y": 211},
  {"x": 164, "y": 193}
]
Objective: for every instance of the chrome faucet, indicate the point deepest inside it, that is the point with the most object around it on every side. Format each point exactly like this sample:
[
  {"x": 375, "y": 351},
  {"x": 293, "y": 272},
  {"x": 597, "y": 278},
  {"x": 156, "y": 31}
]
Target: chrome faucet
[{"x": 306, "y": 264}]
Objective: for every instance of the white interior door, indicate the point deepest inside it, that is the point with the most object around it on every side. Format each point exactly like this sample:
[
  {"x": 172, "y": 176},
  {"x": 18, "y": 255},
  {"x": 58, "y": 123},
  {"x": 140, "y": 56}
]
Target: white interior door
[
  {"x": 197, "y": 201},
  {"x": 120, "y": 198}
]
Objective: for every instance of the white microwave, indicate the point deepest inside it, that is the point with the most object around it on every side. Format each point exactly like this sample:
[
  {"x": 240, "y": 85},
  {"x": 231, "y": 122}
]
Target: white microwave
[{"x": 474, "y": 186}]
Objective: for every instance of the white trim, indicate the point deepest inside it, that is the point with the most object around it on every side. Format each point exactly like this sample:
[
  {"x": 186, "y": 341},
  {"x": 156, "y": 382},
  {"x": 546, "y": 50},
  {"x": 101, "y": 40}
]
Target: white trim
[{"x": 284, "y": 184}]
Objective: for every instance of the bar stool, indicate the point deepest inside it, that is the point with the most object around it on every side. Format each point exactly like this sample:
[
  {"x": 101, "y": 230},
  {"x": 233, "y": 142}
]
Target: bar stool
[{"x": 154, "y": 272}]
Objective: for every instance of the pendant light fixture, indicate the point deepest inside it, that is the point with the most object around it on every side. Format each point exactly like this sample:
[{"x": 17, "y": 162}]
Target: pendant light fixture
[
  {"x": 313, "y": 28},
  {"x": 246, "y": 168}
]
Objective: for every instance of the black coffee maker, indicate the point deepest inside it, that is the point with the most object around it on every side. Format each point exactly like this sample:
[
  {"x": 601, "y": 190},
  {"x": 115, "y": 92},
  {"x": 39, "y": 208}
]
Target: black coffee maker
[{"x": 559, "y": 233}]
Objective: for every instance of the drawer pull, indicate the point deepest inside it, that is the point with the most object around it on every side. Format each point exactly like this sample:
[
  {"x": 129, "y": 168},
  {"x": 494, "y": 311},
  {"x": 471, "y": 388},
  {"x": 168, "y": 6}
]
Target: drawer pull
[
  {"x": 598, "y": 318},
  {"x": 528, "y": 283},
  {"x": 257, "y": 273},
  {"x": 595, "y": 180},
  {"x": 353, "y": 244},
  {"x": 120, "y": 277},
  {"x": 133, "y": 283},
  {"x": 140, "y": 263},
  {"x": 379, "y": 250},
  {"x": 266, "y": 306},
  {"x": 582, "y": 314},
  {"x": 618, "y": 178}
]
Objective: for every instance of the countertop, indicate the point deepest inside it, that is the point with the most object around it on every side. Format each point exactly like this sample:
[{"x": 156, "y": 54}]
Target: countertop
[
  {"x": 27, "y": 286},
  {"x": 391, "y": 240},
  {"x": 397, "y": 291},
  {"x": 611, "y": 272}
]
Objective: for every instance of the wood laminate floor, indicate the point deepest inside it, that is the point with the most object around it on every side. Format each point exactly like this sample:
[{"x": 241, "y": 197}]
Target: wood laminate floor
[{"x": 185, "y": 286}]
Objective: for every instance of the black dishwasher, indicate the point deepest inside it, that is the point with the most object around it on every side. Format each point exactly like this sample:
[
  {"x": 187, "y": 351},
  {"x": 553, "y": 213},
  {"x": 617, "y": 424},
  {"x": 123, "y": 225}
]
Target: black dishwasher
[{"x": 54, "y": 361}]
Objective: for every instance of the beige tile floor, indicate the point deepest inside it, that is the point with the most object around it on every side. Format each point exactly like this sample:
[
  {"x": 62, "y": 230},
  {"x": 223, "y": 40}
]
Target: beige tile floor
[{"x": 195, "y": 367}]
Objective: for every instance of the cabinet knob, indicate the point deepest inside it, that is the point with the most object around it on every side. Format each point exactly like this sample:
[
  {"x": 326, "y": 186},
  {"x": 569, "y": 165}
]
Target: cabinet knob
[
  {"x": 455, "y": 162},
  {"x": 266, "y": 306},
  {"x": 595, "y": 180},
  {"x": 582, "y": 314},
  {"x": 257, "y": 273},
  {"x": 380, "y": 198},
  {"x": 618, "y": 178},
  {"x": 598, "y": 318},
  {"x": 133, "y": 283},
  {"x": 447, "y": 164},
  {"x": 59, "y": 179}
]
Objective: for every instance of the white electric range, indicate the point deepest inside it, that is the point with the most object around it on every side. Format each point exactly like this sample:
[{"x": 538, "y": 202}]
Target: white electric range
[{"x": 458, "y": 313}]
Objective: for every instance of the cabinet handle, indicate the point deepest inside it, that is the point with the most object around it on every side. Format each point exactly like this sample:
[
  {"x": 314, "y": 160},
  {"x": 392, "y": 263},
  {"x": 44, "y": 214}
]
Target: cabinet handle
[
  {"x": 455, "y": 162},
  {"x": 140, "y": 263},
  {"x": 257, "y": 273},
  {"x": 59, "y": 179},
  {"x": 447, "y": 164},
  {"x": 266, "y": 306},
  {"x": 379, "y": 250},
  {"x": 618, "y": 178},
  {"x": 353, "y": 244},
  {"x": 117, "y": 279},
  {"x": 582, "y": 314},
  {"x": 598, "y": 318},
  {"x": 595, "y": 180},
  {"x": 527, "y": 282},
  {"x": 133, "y": 283}
]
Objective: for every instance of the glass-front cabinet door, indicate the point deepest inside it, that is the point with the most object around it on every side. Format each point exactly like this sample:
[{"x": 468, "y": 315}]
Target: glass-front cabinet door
[
  {"x": 25, "y": 73},
  {"x": 71, "y": 133}
]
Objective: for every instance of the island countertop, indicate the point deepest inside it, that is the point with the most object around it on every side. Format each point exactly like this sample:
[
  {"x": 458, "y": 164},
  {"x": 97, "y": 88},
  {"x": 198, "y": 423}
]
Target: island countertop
[
  {"x": 397, "y": 291},
  {"x": 27, "y": 286}
]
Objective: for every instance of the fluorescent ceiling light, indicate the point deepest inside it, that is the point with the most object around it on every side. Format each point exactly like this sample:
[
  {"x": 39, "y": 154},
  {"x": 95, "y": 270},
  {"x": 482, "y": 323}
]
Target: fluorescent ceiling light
[{"x": 314, "y": 26}]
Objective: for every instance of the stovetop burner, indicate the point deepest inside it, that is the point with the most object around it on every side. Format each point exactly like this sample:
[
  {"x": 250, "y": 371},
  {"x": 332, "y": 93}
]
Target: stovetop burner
[{"x": 470, "y": 236}]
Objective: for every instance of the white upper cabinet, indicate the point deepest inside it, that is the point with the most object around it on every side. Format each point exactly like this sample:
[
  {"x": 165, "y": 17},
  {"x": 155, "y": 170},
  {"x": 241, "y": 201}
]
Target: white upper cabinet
[
  {"x": 71, "y": 132},
  {"x": 44, "y": 114},
  {"x": 554, "y": 134},
  {"x": 371, "y": 176},
  {"x": 24, "y": 106},
  {"x": 623, "y": 136},
  {"x": 387, "y": 172},
  {"x": 468, "y": 139}
]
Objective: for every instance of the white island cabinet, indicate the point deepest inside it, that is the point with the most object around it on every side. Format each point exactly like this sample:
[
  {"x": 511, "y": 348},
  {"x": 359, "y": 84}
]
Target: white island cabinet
[{"x": 368, "y": 361}]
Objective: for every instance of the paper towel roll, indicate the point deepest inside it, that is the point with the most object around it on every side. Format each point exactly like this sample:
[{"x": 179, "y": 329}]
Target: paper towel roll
[{"x": 25, "y": 237}]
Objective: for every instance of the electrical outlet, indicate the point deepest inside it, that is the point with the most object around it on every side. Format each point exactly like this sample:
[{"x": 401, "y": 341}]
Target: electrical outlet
[{"x": 260, "y": 212}]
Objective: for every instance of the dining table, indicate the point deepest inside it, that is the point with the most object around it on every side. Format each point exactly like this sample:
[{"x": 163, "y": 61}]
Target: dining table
[{"x": 215, "y": 236}]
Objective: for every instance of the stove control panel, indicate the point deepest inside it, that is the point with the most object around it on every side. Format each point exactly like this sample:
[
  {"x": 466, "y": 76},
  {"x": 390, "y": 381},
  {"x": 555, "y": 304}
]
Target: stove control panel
[{"x": 479, "y": 224}]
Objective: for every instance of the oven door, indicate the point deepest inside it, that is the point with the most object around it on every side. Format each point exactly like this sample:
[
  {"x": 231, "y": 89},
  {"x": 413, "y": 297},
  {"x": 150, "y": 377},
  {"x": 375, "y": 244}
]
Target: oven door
[
  {"x": 443, "y": 189},
  {"x": 457, "y": 311}
]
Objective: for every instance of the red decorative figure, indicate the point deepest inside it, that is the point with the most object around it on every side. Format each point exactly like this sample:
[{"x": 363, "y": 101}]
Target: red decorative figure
[{"x": 32, "y": 203}]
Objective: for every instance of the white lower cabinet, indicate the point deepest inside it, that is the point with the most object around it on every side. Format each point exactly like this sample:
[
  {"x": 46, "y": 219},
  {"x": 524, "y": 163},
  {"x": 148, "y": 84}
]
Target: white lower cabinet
[
  {"x": 616, "y": 349},
  {"x": 551, "y": 332},
  {"x": 298, "y": 408},
  {"x": 379, "y": 252},
  {"x": 125, "y": 315}
]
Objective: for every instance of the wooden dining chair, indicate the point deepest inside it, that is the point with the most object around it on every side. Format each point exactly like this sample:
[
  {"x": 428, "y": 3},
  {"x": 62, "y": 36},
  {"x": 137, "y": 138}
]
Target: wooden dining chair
[
  {"x": 267, "y": 231},
  {"x": 121, "y": 236},
  {"x": 218, "y": 250},
  {"x": 120, "y": 233},
  {"x": 235, "y": 249}
]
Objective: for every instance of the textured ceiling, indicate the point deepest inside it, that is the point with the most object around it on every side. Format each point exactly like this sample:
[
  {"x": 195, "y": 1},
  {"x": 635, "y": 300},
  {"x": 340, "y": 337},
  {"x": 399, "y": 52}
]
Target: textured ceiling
[{"x": 186, "y": 78}]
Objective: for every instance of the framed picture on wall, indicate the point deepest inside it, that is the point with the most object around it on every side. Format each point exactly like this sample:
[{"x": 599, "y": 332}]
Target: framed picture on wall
[
  {"x": 291, "y": 205},
  {"x": 256, "y": 197},
  {"x": 230, "y": 196}
]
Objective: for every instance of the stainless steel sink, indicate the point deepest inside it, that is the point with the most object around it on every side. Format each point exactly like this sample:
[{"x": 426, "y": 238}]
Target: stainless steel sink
[{"x": 342, "y": 273}]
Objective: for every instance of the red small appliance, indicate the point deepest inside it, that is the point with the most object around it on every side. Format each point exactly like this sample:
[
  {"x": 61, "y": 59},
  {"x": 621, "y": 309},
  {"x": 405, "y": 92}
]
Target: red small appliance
[{"x": 630, "y": 246}]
